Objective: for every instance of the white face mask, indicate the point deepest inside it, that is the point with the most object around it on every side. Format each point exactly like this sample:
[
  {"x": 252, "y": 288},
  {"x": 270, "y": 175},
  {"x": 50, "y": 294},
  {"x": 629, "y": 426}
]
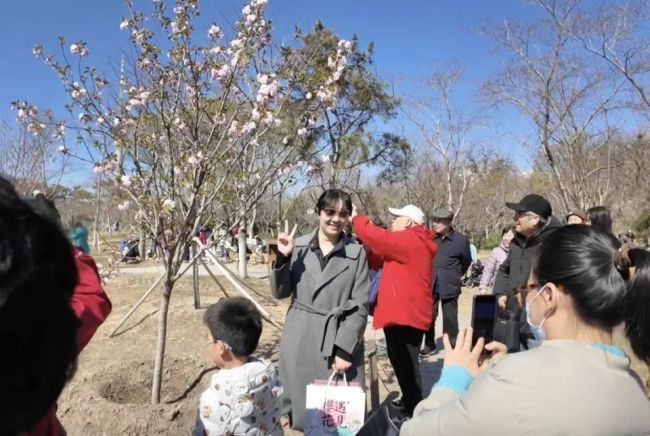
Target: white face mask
[{"x": 536, "y": 330}]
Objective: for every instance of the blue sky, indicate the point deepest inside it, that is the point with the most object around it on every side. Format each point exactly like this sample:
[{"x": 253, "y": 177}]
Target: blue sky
[{"x": 411, "y": 38}]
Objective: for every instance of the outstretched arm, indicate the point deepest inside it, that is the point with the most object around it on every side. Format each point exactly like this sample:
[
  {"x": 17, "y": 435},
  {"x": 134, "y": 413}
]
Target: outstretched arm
[{"x": 381, "y": 242}]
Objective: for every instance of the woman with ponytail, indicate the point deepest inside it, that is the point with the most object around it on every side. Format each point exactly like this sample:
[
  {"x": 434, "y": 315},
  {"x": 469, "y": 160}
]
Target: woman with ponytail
[{"x": 576, "y": 382}]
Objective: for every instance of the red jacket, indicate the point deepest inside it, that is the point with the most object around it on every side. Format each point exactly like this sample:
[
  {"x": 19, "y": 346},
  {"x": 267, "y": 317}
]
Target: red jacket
[
  {"x": 91, "y": 306},
  {"x": 405, "y": 295}
]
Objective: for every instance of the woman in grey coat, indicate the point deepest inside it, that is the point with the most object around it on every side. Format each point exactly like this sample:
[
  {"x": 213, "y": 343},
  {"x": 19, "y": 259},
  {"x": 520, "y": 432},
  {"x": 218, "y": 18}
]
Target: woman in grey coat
[{"x": 326, "y": 276}]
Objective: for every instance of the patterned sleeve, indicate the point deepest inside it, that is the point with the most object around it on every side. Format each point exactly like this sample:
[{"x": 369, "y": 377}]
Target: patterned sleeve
[{"x": 214, "y": 416}]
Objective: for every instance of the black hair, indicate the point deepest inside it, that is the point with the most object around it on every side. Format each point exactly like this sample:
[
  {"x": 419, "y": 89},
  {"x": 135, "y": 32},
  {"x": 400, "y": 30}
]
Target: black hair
[
  {"x": 44, "y": 207},
  {"x": 600, "y": 218},
  {"x": 237, "y": 322},
  {"x": 329, "y": 198},
  {"x": 37, "y": 325},
  {"x": 508, "y": 228},
  {"x": 637, "y": 303},
  {"x": 584, "y": 262}
]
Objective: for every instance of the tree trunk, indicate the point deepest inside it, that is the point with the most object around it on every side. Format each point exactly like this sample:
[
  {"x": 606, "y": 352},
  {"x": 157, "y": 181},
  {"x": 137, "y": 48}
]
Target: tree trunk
[
  {"x": 160, "y": 343},
  {"x": 243, "y": 266},
  {"x": 142, "y": 245},
  {"x": 250, "y": 230}
]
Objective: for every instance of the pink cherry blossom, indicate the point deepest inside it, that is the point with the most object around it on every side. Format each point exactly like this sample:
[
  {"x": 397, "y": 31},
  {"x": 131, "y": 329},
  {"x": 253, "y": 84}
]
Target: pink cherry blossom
[
  {"x": 124, "y": 24},
  {"x": 59, "y": 132},
  {"x": 214, "y": 32},
  {"x": 248, "y": 128},
  {"x": 222, "y": 73},
  {"x": 302, "y": 132},
  {"x": 126, "y": 181},
  {"x": 74, "y": 48},
  {"x": 269, "y": 119},
  {"x": 61, "y": 149},
  {"x": 124, "y": 205},
  {"x": 232, "y": 130},
  {"x": 196, "y": 160}
]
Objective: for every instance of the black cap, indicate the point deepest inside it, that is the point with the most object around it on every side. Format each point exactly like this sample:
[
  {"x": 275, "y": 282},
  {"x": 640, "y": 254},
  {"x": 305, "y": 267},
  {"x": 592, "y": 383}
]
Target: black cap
[{"x": 533, "y": 203}]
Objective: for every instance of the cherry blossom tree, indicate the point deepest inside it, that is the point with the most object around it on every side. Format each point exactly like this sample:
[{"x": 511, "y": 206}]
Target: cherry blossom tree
[{"x": 197, "y": 117}]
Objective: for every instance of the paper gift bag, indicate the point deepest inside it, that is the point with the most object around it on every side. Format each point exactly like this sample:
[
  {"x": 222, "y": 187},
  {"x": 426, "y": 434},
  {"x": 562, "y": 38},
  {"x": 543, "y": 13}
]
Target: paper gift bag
[{"x": 334, "y": 409}]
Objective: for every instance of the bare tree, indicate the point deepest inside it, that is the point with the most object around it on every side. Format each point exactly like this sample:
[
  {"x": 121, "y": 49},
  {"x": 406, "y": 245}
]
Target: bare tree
[
  {"x": 30, "y": 160},
  {"x": 568, "y": 99},
  {"x": 444, "y": 129}
]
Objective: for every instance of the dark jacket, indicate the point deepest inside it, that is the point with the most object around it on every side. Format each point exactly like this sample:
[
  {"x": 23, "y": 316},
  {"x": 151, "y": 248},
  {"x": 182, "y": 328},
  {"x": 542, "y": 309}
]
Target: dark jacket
[
  {"x": 515, "y": 270},
  {"x": 452, "y": 260}
]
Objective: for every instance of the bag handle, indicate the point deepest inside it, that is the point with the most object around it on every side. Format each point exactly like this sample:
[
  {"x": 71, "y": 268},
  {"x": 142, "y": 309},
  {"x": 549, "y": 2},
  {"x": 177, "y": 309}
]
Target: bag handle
[
  {"x": 329, "y": 382},
  {"x": 334, "y": 373}
]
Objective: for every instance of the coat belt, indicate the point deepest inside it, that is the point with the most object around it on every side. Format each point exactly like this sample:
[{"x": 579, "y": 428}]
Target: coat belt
[{"x": 331, "y": 324}]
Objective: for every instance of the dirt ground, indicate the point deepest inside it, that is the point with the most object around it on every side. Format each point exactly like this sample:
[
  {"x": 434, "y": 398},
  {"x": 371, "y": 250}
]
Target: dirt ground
[{"x": 110, "y": 393}]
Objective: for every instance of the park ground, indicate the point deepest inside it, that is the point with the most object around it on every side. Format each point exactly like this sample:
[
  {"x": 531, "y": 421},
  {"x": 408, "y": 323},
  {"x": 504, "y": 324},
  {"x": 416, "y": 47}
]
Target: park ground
[{"x": 110, "y": 392}]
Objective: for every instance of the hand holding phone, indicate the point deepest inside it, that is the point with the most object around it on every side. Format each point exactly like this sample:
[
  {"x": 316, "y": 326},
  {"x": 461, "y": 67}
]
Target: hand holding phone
[{"x": 483, "y": 317}]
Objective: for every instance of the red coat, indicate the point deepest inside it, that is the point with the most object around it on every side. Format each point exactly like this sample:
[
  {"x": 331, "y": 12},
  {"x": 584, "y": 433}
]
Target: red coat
[
  {"x": 91, "y": 306},
  {"x": 405, "y": 295}
]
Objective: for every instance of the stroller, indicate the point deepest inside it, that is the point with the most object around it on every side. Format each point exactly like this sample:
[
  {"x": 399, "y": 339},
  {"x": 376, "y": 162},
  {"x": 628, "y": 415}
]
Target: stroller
[
  {"x": 130, "y": 251},
  {"x": 474, "y": 277}
]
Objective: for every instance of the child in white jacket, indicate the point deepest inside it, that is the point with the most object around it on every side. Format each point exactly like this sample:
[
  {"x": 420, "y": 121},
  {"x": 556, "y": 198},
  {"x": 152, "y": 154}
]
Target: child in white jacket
[{"x": 244, "y": 396}]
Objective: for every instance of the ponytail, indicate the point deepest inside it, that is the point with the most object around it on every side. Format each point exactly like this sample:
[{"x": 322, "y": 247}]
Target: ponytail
[{"x": 637, "y": 299}]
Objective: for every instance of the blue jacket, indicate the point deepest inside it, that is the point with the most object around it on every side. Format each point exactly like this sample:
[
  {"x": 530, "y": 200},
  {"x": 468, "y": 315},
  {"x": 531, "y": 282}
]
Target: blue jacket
[{"x": 451, "y": 263}]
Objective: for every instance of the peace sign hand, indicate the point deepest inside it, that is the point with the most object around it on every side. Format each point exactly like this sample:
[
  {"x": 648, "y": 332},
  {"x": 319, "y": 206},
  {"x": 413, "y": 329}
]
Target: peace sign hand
[{"x": 285, "y": 239}]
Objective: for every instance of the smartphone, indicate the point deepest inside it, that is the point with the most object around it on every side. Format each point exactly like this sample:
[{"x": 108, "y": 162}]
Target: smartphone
[{"x": 484, "y": 313}]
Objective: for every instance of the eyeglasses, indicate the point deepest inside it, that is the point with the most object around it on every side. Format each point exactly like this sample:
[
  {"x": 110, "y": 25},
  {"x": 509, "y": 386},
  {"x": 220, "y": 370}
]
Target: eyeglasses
[
  {"x": 343, "y": 214},
  {"x": 224, "y": 343},
  {"x": 520, "y": 214}
]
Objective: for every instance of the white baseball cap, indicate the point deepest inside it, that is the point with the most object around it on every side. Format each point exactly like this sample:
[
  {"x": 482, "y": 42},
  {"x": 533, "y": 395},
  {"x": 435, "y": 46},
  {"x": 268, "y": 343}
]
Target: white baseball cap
[{"x": 409, "y": 211}]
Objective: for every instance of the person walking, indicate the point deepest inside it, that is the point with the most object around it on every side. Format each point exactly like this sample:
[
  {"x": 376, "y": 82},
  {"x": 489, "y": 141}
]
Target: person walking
[
  {"x": 404, "y": 307},
  {"x": 452, "y": 261}
]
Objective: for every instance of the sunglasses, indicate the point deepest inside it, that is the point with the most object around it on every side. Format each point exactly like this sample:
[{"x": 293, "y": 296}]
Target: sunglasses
[{"x": 343, "y": 214}]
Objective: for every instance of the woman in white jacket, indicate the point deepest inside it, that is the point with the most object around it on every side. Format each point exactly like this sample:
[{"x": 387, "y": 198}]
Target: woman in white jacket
[{"x": 576, "y": 382}]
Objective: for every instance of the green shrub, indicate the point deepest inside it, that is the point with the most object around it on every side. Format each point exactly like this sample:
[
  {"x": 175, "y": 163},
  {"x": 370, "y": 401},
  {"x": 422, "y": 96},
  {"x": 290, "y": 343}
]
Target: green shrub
[{"x": 493, "y": 240}]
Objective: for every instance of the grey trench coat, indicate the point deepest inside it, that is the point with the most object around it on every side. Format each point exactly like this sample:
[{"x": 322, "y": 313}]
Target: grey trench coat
[{"x": 329, "y": 309}]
